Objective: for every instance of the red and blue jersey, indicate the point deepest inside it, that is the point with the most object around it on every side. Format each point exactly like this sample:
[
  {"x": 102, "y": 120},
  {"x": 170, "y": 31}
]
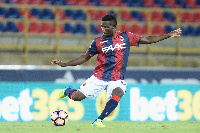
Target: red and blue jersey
[{"x": 113, "y": 55}]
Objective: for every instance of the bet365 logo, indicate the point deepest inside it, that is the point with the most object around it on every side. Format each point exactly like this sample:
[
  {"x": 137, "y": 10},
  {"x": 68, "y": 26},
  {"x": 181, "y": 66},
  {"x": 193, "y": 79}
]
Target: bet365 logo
[{"x": 116, "y": 47}]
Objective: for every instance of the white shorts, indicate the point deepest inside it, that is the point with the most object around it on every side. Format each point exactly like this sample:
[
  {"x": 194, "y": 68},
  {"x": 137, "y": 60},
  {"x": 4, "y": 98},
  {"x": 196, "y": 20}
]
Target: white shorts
[{"x": 93, "y": 86}]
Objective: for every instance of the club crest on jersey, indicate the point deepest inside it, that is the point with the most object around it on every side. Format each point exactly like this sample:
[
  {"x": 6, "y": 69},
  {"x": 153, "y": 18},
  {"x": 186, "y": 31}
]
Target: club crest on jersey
[
  {"x": 121, "y": 38},
  {"x": 116, "y": 47}
]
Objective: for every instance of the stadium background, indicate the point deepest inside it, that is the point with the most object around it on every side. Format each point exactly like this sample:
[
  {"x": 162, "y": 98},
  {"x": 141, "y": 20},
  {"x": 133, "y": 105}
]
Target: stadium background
[{"x": 163, "y": 78}]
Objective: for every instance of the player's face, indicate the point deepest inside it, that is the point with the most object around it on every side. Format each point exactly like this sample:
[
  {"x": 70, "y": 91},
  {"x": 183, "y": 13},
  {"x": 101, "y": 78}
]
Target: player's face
[{"x": 108, "y": 28}]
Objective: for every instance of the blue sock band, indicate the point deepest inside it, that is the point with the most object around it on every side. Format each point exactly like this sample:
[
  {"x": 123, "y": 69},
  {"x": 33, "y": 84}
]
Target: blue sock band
[
  {"x": 110, "y": 106},
  {"x": 68, "y": 92}
]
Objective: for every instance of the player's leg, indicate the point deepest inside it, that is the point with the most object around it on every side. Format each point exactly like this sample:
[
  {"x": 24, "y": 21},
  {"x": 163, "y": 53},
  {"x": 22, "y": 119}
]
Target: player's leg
[
  {"x": 72, "y": 93},
  {"x": 114, "y": 94},
  {"x": 117, "y": 93}
]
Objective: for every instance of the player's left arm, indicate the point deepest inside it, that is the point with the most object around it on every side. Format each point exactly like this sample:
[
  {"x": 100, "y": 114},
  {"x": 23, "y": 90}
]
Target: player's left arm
[{"x": 154, "y": 39}]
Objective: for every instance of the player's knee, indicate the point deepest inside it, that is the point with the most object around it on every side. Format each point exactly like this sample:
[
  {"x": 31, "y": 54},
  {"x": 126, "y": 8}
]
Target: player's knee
[
  {"x": 118, "y": 92},
  {"x": 78, "y": 96}
]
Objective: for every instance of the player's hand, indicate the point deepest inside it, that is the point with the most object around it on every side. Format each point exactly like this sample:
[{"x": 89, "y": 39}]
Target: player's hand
[
  {"x": 174, "y": 33},
  {"x": 58, "y": 62}
]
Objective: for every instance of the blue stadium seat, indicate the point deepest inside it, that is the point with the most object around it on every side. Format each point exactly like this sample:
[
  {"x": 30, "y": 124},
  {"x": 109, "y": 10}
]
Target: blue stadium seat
[
  {"x": 10, "y": 2},
  {"x": 96, "y": 2},
  {"x": 159, "y": 3},
  {"x": 183, "y": 33},
  {"x": 69, "y": 14},
  {"x": 180, "y": 3},
  {"x": 10, "y": 27},
  {"x": 197, "y": 32},
  {"x": 2, "y": 12},
  {"x": 168, "y": 16},
  {"x": 80, "y": 29},
  {"x": 68, "y": 28},
  {"x": 59, "y": 2},
  {"x": 79, "y": 15},
  {"x": 46, "y": 14},
  {"x": 135, "y": 3},
  {"x": 136, "y": 15},
  {"x": 198, "y": 2},
  {"x": 12, "y": 13},
  {"x": 1, "y": 27},
  {"x": 35, "y": 12},
  {"x": 113, "y": 13},
  {"x": 190, "y": 31},
  {"x": 94, "y": 29},
  {"x": 169, "y": 28}
]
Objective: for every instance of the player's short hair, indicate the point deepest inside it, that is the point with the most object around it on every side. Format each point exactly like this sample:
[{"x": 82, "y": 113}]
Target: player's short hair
[{"x": 110, "y": 17}]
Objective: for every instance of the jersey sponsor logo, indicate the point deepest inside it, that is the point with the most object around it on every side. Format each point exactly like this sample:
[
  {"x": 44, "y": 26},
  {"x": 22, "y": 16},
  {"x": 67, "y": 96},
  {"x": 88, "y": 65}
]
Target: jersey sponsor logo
[
  {"x": 116, "y": 47},
  {"x": 104, "y": 41}
]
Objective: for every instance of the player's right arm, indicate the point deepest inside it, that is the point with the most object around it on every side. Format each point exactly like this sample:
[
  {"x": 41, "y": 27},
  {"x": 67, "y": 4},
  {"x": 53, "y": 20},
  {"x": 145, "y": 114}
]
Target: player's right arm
[{"x": 78, "y": 61}]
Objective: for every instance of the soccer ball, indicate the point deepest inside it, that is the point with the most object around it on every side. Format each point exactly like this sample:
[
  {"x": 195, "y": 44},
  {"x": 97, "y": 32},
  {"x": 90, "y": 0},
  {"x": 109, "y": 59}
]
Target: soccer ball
[{"x": 59, "y": 118}]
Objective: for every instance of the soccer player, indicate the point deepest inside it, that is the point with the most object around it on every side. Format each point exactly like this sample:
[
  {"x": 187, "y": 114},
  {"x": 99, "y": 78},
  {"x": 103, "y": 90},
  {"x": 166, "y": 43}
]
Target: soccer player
[{"x": 113, "y": 51}]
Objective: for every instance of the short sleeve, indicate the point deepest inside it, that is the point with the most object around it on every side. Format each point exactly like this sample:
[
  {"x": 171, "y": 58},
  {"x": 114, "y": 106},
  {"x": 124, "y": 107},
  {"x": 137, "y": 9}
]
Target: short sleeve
[
  {"x": 93, "y": 49},
  {"x": 133, "y": 39}
]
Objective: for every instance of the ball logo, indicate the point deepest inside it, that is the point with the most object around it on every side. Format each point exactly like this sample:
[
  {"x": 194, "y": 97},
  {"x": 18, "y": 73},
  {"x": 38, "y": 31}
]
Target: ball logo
[{"x": 116, "y": 47}]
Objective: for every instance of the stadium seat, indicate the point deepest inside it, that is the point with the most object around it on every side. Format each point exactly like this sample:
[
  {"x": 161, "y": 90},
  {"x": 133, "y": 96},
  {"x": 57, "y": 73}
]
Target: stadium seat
[
  {"x": 135, "y": 3},
  {"x": 23, "y": 1},
  {"x": 187, "y": 17},
  {"x": 169, "y": 3},
  {"x": 169, "y": 28},
  {"x": 46, "y": 14},
  {"x": 10, "y": 27},
  {"x": 125, "y": 28},
  {"x": 148, "y": 3},
  {"x": 180, "y": 3},
  {"x": 168, "y": 16},
  {"x": 69, "y": 14},
  {"x": 35, "y": 13},
  {"x": 157, "y": 16},
  {"x": 137, "y": 16},
  {"x": 11, "y": 1},
  {"x": 183, "y": 33},
  {"x": 2, "y": 12},
  {"x": 158, "y": 30},
  {"x": 20, "y": 26},
  {"x": 126, "y": 15},
  {"x": 83, "y": 3},
  {"x": 61, "y": 28},
  {"x": 198, "y": 3},
  {"x": 61, "y": 13},
  {"x": 92, "y": 14},
  {"x": 59, "y": 2},
  {"x": 47, "y": 28},
  {"x": 38, "y": 2},
  {"x": 1, "y": 26},
  {"x": 116, "y": 3},
  {"x": 68, "y": 28},
  {"x": 100, "y": 14},
  {"x": 197, "y": 32},
  {"x": 80, "y": 29},
  {"x": 136, "y": 29},
  {"x": 158, "y": 3},
  {"x": 196, "y": 17},
  {"x": 79, "y": 15},
  {"x": 93, "y": 29},
  {"x": 12, "y": 13},
  {"x": 34, "y": 27},
  {"x": 190, "y": 3},
  {"x": 144, "y": 29},
  {"x": 190, "y": 31}
]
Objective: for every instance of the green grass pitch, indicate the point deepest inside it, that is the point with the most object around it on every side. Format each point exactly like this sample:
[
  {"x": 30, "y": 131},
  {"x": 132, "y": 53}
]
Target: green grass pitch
[{"x": 111, "y": 127}]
